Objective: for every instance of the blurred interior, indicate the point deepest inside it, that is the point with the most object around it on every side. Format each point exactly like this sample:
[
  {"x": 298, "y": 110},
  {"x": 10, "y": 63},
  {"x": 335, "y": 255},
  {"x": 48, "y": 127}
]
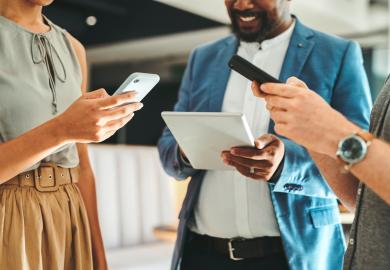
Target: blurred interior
[{"x": 138, "y": 202}]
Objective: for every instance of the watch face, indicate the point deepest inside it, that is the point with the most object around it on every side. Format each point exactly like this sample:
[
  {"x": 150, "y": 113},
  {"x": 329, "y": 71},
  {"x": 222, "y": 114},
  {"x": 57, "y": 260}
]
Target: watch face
[{"x": 353, "y": 149}]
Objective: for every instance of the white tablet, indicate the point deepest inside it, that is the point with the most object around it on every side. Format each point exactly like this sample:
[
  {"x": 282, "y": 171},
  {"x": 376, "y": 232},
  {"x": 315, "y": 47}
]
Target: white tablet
[{"x": 203, "y": 136}]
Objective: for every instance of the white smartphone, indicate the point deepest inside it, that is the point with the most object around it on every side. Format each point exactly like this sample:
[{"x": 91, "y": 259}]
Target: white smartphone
[{"x": 142, "y": 83}]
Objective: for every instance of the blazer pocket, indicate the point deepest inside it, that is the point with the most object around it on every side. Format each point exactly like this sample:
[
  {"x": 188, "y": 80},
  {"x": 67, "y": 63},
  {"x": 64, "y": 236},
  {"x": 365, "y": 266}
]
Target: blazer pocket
[{"x": 323, "y": 216}]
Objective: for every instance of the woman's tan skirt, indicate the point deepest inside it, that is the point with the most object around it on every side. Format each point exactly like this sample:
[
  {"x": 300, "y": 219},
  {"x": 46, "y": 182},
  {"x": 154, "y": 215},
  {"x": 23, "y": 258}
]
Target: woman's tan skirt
[{"x": 44, "y": 230}]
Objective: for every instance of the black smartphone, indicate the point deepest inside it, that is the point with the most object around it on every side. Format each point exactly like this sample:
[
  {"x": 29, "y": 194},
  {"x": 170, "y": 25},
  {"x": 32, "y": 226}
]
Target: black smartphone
[{"x": 250, "y": 71}]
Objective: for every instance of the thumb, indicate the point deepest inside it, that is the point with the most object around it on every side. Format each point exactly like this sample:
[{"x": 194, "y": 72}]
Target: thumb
[
  {"x": 256, "y": 90},
  {"x": 265, "y": 140},
  {"x": 100, "y": 93},
  {"x": 296, "y": 82}
]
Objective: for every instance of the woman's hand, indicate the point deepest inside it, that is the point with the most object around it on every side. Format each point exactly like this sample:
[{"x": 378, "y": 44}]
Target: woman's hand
[
  {"x": 96, "y": 116},
  {"x": 303, "y": 116}
]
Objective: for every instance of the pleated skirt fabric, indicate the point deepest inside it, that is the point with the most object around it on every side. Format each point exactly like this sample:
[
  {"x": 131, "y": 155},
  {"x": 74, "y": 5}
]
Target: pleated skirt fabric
[{"x": 44, "y": 230}]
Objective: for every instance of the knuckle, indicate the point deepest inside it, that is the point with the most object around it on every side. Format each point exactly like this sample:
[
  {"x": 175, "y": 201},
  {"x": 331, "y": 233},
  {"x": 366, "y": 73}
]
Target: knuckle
[
  {"x": 95, "y": 137},
  {"x": 96, "y": 121},
  {"x": 115, "y": 101},
  {"x": 132, "y": 94},
  {"x": 102, "y": 90},
  {"x": 123, "y": 122},
  {"x": 271, "y": 154},
  {"x": 294, "y": 105},
  {"x": 123, "y": 110},
  {"x": 94, "y": 107},
  {"x": 96, "y": 131}
]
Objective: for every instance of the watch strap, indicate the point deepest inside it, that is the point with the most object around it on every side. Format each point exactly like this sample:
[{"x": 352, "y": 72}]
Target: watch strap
[{"x": 366, "y": 136}]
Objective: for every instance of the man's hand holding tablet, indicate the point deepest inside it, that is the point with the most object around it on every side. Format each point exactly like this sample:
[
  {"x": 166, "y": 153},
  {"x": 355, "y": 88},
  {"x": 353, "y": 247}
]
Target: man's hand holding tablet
[{"x": 260, "y": 162}]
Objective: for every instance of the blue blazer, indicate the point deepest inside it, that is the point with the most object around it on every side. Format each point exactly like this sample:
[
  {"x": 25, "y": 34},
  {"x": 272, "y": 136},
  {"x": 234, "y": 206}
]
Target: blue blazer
[{"x": 306, "y": 208}]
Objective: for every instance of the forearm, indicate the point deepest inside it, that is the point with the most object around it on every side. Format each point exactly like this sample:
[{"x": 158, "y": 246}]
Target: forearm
[
  {"x": 87, "y": 188},
  {"x": 26, "y": 150},
  {"x": 343, "y": 185},
  {"x": 374, "y": 169}
]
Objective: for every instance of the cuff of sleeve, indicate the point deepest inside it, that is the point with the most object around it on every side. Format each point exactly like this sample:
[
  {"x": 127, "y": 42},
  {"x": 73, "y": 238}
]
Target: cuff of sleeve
[
  {"x": 275, "y": 178},
  {"x": 182, "y": 159}
]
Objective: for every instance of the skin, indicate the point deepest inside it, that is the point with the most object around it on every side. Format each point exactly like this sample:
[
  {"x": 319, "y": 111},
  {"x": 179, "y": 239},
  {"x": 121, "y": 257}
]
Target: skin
[
  {"x": 94, "y": 117},
  {"x": 265, "y": 158},
  {"x": 87, "y": 185},
  {"x": 303, "y": 116},
  {"x": 273, "y": 17}
]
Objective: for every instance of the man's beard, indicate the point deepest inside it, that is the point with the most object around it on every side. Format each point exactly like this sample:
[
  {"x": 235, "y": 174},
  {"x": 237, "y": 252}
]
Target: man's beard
[{"x": 259, "y": 36}]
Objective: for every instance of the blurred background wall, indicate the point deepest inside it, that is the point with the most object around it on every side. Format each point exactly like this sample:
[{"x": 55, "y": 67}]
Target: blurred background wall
[{"x": 136, "y": 198}]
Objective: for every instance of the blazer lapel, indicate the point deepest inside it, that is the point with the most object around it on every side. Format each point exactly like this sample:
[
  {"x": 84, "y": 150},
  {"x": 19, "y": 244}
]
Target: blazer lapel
[
  {"x": 301, "y": 45},
  {"x": 221, "y": 73}
]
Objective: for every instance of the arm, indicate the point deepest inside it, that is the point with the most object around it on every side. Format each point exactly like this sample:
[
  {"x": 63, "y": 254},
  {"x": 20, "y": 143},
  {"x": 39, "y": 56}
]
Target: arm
[
  {"x": 344, "y": 185},
  {"x": 103, "y": 119},
  {"x": 351, "y": 84},
  {"x": 168, "y": 148},
  {"x": 16, "y": 157},
  {"x": 88, "y": 191},
  {"x": 303, "y": 116},
  {"x": 372, "y": 171},
  {"x": 87, "y": 184}
]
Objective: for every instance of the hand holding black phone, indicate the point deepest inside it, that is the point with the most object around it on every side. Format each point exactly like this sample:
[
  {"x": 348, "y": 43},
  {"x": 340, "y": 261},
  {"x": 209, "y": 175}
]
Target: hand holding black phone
[{"x": 250, "y": 71}]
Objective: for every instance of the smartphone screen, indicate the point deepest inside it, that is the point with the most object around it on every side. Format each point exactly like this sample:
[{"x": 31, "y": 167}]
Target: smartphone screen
[{"x": 142, "y": 83}]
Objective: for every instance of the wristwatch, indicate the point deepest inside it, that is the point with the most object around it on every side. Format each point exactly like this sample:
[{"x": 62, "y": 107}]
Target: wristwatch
[{"x": 354, "y": 148}]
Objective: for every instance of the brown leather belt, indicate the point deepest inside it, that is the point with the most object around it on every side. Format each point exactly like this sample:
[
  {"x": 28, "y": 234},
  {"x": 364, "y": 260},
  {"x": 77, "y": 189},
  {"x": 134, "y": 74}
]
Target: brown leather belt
[
  {"x": 239, "y": 248},
  {"x": 48, "y": 177}
]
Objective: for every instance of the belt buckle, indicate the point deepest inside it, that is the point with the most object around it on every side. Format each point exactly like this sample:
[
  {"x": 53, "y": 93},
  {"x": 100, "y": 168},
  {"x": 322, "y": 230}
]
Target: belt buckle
[
  {"x": 232, "y": 249},
  {"x": 38, "y": 177}
]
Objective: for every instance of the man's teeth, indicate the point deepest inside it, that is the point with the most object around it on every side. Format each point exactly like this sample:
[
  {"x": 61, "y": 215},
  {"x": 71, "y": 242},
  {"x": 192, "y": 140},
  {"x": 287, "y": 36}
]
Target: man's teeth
[{"x": 247, "y": 19}]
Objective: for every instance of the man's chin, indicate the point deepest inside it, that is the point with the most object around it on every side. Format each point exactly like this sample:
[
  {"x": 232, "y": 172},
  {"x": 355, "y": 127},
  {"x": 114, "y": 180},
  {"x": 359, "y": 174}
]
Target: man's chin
[{"x": 248, "y": 37}]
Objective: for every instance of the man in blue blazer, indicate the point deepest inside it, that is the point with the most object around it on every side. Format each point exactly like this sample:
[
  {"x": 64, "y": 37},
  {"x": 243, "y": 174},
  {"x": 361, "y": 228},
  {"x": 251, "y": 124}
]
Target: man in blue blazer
[{"x": 275, "y": 211}]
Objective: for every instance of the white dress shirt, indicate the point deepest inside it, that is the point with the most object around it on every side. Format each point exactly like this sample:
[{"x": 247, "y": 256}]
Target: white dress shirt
[{"x": 231, "y": 205}]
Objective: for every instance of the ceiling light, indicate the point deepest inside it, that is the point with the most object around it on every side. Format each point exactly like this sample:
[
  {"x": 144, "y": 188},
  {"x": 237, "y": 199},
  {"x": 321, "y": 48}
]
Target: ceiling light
[{"x": 91, "y": 20}]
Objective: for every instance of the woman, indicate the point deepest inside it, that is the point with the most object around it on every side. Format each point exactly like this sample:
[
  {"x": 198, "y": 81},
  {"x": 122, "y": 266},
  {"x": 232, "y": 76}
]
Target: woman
[{"x": 48, "y": 213}]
